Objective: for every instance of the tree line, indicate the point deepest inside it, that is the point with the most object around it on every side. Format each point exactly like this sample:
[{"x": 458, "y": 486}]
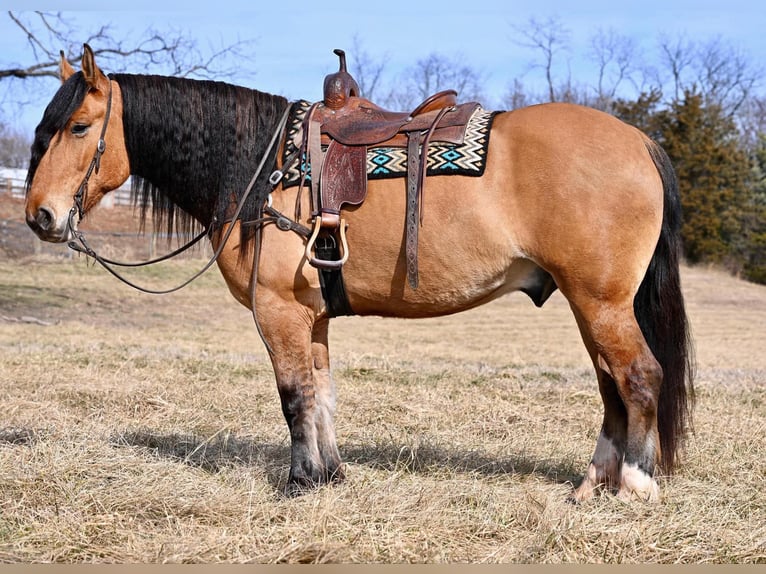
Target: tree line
[{"x": 702, "y": 100}]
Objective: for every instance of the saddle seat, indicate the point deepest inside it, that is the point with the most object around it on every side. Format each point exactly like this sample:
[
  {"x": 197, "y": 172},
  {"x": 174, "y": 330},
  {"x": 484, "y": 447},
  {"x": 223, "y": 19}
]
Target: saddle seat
[{"x": 361, "y": 122}]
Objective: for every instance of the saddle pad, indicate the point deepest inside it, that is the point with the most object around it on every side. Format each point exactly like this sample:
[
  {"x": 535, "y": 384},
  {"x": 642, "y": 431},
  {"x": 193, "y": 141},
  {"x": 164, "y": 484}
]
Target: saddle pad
[{"x": 468, "y": 158}]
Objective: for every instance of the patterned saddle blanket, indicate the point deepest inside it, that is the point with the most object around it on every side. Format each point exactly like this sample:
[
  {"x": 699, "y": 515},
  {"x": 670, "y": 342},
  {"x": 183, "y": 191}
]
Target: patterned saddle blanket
[{"x": 444, "y": 158}]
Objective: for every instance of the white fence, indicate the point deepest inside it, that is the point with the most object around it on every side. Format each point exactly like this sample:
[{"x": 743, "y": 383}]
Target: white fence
[{"x": 12, "y": 182}]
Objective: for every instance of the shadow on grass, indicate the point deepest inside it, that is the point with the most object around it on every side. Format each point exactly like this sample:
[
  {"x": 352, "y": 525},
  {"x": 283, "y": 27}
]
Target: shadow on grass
[
  {"x": 211, "y": 454},
  {"x": 437, "y": 458},
  {"x": 226, "y": 449},
  {"x": 19, "y": 436}
]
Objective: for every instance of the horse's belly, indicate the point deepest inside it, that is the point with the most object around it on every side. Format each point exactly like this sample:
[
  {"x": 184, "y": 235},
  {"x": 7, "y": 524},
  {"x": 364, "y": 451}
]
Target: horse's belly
[{"x": 449, "y": 290}]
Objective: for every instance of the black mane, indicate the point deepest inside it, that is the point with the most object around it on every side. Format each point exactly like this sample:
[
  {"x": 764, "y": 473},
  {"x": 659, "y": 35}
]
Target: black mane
[
  {"x": 193, "y": 145},
  {"x": 67, "y": 99}
]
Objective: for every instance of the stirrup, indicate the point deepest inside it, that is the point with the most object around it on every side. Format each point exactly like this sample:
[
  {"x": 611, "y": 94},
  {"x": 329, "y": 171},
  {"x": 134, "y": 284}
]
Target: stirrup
[{"x": 327, "y": 263}]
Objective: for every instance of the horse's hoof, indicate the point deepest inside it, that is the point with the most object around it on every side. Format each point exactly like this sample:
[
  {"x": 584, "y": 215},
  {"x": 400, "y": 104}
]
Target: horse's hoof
[
  {"x": 298, "y": 485},
  {"x": 294, "y": 489},
  {"x": 572, "y": 499},
  {"x": 637, "y": 485},
  {"x": 338, "y": 475}
]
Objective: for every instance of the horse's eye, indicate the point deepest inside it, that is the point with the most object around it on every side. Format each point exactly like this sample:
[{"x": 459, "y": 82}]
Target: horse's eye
[{"x": 80, "y": 130}]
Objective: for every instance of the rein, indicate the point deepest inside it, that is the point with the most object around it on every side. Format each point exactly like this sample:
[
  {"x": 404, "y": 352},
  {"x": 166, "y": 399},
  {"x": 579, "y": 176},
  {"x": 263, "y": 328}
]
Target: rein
[{"x": 80, "y": 198}]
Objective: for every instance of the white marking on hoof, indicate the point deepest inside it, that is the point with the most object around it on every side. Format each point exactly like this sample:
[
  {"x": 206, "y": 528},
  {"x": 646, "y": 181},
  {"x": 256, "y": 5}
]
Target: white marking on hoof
[
  {"x": 587, "y": 488},
  {"x": 603, "y": 470},
  {"x": 635, "y": 483}
]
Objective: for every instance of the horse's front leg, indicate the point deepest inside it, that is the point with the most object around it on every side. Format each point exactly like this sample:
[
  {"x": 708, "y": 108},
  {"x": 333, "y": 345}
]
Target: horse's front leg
[
  {"x": 325, "y": 399},
  {"x": 298, "y": 351}
]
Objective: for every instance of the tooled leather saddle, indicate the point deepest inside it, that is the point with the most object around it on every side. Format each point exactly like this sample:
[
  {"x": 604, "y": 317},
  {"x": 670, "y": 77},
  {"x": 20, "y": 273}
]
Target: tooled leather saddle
[{"x": 336, "y": 135}]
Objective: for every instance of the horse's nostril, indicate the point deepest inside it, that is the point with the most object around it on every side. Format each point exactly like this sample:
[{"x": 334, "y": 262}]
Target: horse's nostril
[{"x": 44, "y": 218}]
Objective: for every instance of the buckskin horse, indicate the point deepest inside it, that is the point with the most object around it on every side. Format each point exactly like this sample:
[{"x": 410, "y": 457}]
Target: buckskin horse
[{"x": 569, "y": 198}]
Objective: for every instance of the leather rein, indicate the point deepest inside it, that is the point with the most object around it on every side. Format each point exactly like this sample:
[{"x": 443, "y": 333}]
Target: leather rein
[{"x": 273, "y": 216}]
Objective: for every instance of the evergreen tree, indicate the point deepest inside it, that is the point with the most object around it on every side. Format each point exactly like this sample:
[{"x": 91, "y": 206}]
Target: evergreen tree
[
  {"x": 754, "y": 253},
  {"x": 723, "y": 191},
  {"x": 641, "y": 112},
  {"x": 713, "y": 175}
]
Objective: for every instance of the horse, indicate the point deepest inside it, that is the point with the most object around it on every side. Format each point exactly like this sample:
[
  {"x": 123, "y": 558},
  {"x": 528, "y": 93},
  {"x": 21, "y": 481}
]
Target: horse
[{"x": 571, "y": 198}]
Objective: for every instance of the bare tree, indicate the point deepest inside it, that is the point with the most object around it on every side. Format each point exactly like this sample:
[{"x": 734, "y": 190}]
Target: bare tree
[
  {"x": 615, "y": 56},
  {"x": 677, "y": 56},
  {"x": 516, "y": 97},
  {"x": 432, "y": 74},
  {"x": 14, "y": 148},
  {"x": 47, "y": 34},
  {"x": 172, "y": 51},
  {"x": 716, "y": 68},
  {"x": 548, "y": 38},
  {"x": 751, "y": 119},
  {"x": 366, "y": 71},
  {"x": 724, "y": 74}
]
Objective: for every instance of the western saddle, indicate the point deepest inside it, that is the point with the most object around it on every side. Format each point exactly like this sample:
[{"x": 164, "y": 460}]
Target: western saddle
[{"x": 336, "y": 135}]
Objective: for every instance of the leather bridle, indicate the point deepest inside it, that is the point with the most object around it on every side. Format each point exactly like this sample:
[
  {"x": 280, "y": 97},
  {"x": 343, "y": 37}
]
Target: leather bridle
[
  {"x": 282, "y": 222},
  {"x": 82, "y": 192}
]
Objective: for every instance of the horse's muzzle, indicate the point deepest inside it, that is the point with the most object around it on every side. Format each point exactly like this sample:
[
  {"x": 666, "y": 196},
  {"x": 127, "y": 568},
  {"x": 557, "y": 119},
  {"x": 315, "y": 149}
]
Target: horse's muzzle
[{"x": 47, "y": 227}]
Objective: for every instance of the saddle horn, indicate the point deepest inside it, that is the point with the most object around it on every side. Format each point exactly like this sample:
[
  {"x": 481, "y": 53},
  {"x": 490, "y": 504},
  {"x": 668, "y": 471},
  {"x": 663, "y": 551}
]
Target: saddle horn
[{"x": 340, "y": 86}]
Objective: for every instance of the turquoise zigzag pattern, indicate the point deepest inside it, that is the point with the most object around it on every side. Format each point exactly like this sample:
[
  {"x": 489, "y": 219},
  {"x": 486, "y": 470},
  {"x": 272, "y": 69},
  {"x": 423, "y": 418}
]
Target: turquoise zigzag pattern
[
  {"x": 468, "y": 158},
  {"x": 443, "y": 159}
]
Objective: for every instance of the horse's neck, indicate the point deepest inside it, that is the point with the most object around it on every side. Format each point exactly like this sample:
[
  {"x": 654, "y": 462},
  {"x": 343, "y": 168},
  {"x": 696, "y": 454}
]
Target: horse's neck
[
  {"x": 161, "y": 161},
  {"x": 195, "y": 143}
]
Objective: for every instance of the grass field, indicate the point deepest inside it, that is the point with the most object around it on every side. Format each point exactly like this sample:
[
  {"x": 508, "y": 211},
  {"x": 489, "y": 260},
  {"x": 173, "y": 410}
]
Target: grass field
[{"x": 138, "y": 428}]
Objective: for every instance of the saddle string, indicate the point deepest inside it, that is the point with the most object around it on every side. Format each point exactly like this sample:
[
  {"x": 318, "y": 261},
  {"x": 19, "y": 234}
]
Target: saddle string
[
  {"x": 424, "y": 159},
  {"x": 107, "y": 264}
]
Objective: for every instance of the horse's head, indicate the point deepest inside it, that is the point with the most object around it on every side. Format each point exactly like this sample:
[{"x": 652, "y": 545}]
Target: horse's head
[{"x": 86, "y": 108}]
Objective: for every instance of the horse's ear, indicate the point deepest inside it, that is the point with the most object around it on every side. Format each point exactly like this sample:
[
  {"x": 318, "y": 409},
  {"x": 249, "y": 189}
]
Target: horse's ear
[
  {"x": 66, "y": 70},
  {"x": 94, "y": 77}
]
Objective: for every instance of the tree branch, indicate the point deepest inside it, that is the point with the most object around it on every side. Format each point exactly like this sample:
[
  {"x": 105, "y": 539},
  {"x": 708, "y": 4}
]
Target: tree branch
[{"x": 170, "y": 52}]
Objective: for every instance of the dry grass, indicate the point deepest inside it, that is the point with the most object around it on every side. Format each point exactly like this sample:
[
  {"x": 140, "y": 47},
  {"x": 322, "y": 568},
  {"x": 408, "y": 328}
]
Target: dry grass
[{"x": 137, "y": 428}]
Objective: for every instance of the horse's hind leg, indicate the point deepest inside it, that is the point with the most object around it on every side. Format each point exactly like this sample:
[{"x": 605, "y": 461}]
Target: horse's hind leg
[
  {"x": 604, "y": 468},
  {"x": 629, "y": 382}
]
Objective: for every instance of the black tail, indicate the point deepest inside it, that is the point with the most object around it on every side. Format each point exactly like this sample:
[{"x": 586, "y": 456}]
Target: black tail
[{"x": 660, "y": 311}]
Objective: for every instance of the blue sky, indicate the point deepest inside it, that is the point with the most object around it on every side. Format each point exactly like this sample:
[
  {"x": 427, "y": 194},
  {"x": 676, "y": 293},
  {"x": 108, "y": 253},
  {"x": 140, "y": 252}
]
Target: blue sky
[{"x": 293, "y": 41}]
